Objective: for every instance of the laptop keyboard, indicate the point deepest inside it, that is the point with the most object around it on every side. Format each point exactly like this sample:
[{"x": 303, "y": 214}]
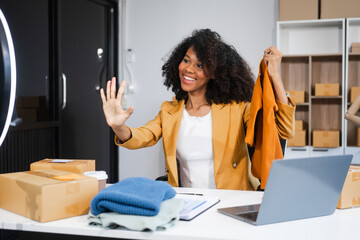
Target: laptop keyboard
[{"x": 252, "y": 216}]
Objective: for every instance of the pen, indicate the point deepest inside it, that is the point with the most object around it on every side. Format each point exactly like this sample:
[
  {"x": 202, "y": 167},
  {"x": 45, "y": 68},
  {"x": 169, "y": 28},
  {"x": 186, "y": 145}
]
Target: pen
[{"x": 195, "y": 194}]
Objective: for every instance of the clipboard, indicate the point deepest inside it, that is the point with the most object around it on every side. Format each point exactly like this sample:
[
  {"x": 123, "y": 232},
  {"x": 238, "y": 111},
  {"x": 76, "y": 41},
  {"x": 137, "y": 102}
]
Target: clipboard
[{"x": 195, "y": 205}]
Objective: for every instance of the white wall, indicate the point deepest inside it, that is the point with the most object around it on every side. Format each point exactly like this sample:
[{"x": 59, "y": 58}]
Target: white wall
[{"x": 154, "y": 27}]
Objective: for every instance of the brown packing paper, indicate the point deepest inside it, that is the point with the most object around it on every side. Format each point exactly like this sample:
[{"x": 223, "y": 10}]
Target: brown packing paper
[
  {"x": 72, "y": 165},
  {"x": 40, "y": 196}
]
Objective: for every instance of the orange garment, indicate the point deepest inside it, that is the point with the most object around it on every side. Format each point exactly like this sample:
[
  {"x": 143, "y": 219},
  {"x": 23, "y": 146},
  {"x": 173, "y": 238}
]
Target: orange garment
[{"x": 262, "y": 123}]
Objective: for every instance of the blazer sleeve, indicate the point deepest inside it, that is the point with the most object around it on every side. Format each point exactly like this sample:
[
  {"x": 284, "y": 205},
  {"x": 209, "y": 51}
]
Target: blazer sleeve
[
  {"x": 145, "y": 136},
  {"x": 285, "y": 119}
]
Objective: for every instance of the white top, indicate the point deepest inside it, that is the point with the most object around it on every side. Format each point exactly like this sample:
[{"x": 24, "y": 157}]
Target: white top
[{"x": 195, "y": 152}]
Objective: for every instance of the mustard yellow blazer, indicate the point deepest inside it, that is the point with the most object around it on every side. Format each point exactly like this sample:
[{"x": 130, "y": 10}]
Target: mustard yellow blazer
[{"x": 231, "y": 158}]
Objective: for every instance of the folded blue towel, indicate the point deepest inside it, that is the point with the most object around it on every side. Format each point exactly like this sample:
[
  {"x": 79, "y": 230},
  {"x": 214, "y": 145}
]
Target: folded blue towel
[{"x": 135, "y": 196}]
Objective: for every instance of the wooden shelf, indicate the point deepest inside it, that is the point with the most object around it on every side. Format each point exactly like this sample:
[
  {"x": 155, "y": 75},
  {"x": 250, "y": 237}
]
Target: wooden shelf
[{"x": 326, "y": 97}]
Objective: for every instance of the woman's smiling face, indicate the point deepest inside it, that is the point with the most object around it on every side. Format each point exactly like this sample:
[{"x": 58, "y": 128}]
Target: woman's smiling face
[{"x": 192, "y": 74}]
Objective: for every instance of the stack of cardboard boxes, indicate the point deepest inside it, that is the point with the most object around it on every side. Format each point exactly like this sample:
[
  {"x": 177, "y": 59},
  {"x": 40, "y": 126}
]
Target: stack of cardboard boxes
[
  {"x": 326, "y": 138},
  {"x": 299, "y": 139},
  {"x": 51, "y": 190},
  {"x": 318, "y": 9}
]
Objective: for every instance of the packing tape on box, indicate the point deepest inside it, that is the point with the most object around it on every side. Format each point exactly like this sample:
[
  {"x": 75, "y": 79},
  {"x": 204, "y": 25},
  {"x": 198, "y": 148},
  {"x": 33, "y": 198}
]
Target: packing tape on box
[
  {"x": 67, "y": 177},
  {"x": 71, "y": 187}
]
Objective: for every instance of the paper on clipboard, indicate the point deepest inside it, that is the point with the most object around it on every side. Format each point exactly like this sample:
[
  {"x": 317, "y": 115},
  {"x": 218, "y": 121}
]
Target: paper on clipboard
[{"x": 195, "y": 205}]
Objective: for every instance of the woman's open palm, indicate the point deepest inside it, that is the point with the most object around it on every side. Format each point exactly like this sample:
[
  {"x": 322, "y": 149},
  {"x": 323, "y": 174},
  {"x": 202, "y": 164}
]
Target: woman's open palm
[{"x": 114, "y": 113}]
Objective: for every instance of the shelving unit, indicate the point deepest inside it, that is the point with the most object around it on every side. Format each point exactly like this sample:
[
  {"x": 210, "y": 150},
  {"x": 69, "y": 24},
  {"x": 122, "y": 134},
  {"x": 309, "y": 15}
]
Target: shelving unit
[
  {"x": 313, "y": 52},
  {"x": 352, "y": 75}
]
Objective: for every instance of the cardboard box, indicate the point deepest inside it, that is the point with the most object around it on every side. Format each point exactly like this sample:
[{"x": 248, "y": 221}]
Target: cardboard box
[
  {"x": 299, "y": 140},
  {"x": 355, "y": 47},
  {"x": 339, "y": 9},
  {"x": 326, "y": 139},
  {"x": 297, "y": 96},
  {"x": 31, "y": 101},
  {"x": 68, "y": 165},
  {"x": 327, "y": 89},
  {"x": 48, "y": 194},
  {"x": 298, "y": 10},
  {"x": 350, "y": 194},
  {"x": 354, "y": 92},
  {"x": 299, "y": 125},
  {"x": 33, "y": 114}
]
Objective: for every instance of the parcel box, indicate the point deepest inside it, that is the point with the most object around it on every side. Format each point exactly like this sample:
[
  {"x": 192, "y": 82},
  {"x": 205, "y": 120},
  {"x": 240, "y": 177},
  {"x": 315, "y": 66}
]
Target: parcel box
[
  {"x": 298, "y": 10},
  {"x": 350, "y": 193},
  {"x": 69, "y": 165},
  {"x": 299, "y": 140},
  {"x": 326, "y": 138},
  {"x": 339, "y": 9},
  {"x": 354, "y": 92},
  {"x": 355, "y": 47},
  {"x": 326, "y": 89},
  {"x": 299, "y": 125},
  {"x": 297, "y": 96},
  {"x": 48, "y": 194}
]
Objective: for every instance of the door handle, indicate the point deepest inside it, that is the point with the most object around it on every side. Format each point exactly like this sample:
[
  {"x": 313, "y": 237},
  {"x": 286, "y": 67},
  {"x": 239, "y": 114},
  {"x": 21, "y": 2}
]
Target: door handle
[{"x": 63, "y": 77}]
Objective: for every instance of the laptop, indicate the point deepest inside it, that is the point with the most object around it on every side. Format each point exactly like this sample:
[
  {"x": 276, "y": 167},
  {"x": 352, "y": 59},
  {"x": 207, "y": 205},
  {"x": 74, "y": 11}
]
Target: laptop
[{"x": 297, "y": 189}]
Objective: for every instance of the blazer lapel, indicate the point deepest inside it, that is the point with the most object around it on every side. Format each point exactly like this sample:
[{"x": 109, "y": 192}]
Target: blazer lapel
[
  {"x": 171, "y": 124},
  {"x": 220, "y": 127}
]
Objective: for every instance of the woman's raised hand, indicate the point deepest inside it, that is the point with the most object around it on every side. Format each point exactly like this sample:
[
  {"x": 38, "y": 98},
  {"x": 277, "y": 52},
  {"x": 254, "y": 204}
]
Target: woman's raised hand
[
  {"x": 114, "y": 113},
  {"x": 272, "y": 58}
]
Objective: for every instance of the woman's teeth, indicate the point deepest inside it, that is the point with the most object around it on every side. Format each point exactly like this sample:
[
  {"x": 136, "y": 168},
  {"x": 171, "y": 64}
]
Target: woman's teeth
[{"x": 189, "y": 78}]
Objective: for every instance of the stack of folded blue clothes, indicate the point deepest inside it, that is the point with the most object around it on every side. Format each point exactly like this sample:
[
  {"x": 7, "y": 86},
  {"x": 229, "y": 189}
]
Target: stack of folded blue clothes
[{"x": 136, "y": 203}]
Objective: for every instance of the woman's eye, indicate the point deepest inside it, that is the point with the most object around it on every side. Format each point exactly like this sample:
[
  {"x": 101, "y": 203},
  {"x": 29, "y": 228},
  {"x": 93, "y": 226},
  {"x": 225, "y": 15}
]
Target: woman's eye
[
  {"x": 185, "y": 60},
  {"x": 199, "y": 65}
]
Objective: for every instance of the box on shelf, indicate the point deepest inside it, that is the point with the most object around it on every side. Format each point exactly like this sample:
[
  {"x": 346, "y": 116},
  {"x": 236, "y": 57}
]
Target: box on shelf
[
  {"x": 299, "y": 140},
  {"x": 326, "y": 89},
  {"x": 326, "y": 138},
  {"x": 297, "y": 96},
  {"x": 355, "y": 47},
  {"x": 339, "y": 9},
  {"x": 354, "y": 92},
  {"x": 33, "y": 114},
  {"x": 48, "y": 194},
  {"x": 299, "y": 125},
  {"x": 350, "y": 194},
  {"x": 68, "y": 165},
  {"x": 298, "y": 10}
]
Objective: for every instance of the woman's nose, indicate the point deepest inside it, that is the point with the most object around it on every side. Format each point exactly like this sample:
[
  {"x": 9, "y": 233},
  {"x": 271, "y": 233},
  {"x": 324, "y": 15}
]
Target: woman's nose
[{"x": 189, "y": 68}]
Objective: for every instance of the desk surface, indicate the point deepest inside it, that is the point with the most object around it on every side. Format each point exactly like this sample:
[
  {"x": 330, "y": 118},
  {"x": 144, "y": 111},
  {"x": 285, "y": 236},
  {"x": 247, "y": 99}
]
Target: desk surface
[{"x": 343, "y": 224}]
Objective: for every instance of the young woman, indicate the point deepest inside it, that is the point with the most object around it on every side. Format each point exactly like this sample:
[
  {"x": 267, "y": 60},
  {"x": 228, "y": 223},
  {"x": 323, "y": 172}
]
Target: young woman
[{"x": 203, "y": 129}]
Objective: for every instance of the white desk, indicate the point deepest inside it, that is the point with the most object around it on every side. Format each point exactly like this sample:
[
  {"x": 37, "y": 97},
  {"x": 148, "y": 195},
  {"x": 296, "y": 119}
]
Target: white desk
[{"x": 343, "y": 224}]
